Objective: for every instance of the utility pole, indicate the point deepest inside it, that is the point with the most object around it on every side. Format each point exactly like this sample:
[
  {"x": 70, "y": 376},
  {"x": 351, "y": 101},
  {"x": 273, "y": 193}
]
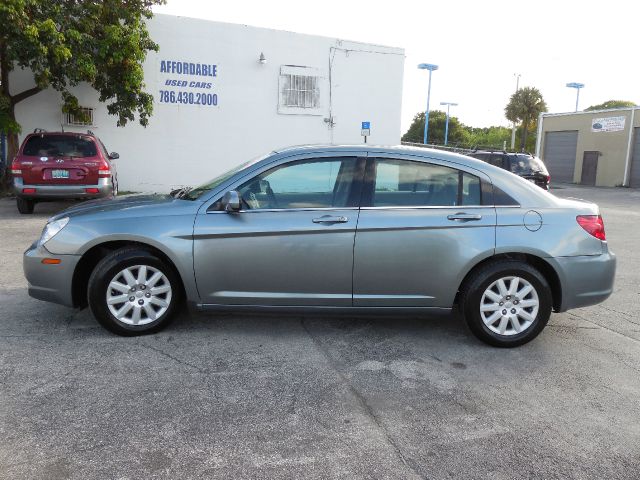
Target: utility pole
[{"x": 513, "y": 127}]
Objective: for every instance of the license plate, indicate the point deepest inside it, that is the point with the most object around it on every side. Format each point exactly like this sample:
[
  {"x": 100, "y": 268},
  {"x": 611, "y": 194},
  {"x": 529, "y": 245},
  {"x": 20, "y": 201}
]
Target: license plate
[{"x": 59, "y": 173}]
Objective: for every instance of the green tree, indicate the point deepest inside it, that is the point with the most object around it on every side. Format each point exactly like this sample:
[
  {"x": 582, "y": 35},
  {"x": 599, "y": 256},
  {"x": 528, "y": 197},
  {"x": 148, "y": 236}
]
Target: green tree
[
  {"x": 488, "y": 136},
  {"x": 437, "y": 121},
  {"x": 101, "y": 42},
  {"x": 524, "y": 107},
  {"x": 610, "y": 104}
]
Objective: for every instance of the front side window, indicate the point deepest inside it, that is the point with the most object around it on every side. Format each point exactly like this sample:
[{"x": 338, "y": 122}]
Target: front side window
[
  {"x": 401, "y": 183},
  {"x": 306, "y": 184}
]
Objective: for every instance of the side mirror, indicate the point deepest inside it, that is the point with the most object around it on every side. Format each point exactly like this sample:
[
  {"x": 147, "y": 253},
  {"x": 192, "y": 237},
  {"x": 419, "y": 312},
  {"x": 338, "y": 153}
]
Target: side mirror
[
  {"x": 231, "y": 202},
  {"x": 114, "y": 155}
]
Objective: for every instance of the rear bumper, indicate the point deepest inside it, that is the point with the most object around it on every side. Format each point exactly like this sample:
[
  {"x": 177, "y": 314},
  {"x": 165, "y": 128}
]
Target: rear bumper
[
  {"x": 44, "y": 192},
  {"x": 586, "y": 280},
  {"x": 52, "y": 283}
]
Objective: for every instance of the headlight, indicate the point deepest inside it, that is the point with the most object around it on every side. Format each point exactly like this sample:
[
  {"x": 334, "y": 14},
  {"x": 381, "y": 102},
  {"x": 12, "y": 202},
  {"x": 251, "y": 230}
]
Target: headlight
[{"x": 51, "y": 229}]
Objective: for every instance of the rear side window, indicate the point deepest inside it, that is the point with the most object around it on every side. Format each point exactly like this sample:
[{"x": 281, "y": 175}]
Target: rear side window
[
  {"x": 59, "y": 146},
  {"x": 500, "y": 198},
  {"x": 497, "y": 160},
  {"x": 404, "y": 183}
]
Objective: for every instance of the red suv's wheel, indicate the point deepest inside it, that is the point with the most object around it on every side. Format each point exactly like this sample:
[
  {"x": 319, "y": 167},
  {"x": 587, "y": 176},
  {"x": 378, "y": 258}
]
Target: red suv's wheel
[{"x": 25, "y": 206}]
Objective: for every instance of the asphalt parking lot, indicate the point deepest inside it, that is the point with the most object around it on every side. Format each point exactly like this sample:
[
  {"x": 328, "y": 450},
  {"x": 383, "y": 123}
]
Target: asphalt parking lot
[{"x": 292, "y": 397}]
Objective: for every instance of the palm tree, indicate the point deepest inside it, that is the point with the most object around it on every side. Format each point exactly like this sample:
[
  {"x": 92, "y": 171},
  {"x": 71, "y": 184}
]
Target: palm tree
[{"x": 524, "y": 106}]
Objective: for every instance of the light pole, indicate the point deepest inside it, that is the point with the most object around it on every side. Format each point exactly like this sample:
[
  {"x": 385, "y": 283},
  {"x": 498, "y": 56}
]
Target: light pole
[
  {"x": 431, "y": 67},
  {"x": 446, "y": 125},
  {"x": 513, "y": 127},
  {"x": 577, "y": 86}
]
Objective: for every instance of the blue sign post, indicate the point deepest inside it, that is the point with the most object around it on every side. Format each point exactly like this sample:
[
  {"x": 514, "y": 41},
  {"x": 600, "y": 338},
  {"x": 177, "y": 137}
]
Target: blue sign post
[{"x": 365, "y": 130}]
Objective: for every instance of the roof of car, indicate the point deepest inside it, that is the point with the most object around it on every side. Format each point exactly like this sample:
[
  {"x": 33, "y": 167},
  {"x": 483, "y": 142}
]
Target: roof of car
[
  {"x": 389, "y": 149},
  {"x": 84, "y": 134}
]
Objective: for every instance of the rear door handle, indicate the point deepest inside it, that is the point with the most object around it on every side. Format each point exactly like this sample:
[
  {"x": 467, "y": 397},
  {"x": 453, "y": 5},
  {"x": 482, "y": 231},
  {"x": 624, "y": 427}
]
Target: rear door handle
[
  {"x": 330, "y": 219},
  {"x": 464, "y": 217}
]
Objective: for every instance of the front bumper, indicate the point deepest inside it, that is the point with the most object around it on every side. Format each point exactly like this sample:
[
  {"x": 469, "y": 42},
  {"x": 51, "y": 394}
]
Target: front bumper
[
  {"x": 52, "y": 192},
  {"x": 586, "y": 280},
  {"x": 52, "y": 283}
]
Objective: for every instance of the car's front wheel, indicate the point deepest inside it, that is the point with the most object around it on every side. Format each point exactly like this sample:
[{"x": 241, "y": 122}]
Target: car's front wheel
[
  {"x": 506, "y": 303},
  {"x": 25, "y": 206},
  {"x": 133, "y": 292}
]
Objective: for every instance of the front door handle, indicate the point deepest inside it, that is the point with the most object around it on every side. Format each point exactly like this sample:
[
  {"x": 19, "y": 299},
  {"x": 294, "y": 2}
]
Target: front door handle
[
  {"x": 330, "y": 219},
  {"x": 464, "y": 217}
]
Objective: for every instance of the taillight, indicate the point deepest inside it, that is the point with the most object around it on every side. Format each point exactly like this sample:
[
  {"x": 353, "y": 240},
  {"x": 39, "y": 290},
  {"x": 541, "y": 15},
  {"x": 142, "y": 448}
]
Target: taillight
[
  {"x": 16, "y": 169},
  {"x": 593, "y": 224},
  {"x": 548, "y": 178},
  {"x": 104, "y": 170}
]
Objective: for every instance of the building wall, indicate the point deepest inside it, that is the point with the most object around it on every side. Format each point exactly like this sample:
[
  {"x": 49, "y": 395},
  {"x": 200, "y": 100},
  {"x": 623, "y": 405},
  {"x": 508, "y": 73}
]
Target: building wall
[
  {"x": 613, "y": 146},
  {"x": 186, "y": 144}
]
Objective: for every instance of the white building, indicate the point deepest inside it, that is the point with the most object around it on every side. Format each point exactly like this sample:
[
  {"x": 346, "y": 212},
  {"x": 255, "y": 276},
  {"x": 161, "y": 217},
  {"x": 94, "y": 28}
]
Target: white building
[{"x": 217, "y": 105}]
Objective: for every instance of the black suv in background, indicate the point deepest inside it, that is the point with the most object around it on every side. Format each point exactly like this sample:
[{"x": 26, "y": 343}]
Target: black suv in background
[{"x": 522, "y": 164}]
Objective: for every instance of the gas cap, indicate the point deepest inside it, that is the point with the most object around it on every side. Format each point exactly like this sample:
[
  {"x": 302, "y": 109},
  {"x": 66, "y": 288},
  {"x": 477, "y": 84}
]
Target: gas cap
[{"x": 532, "y": 221}]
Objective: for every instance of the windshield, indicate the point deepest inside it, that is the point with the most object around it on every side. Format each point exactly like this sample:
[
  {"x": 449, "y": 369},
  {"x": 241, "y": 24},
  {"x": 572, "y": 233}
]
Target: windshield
[
  {"x": 59, "y": 146},
  {"x": 197, "y": 192},
  {"x": 523, "y": 164}
]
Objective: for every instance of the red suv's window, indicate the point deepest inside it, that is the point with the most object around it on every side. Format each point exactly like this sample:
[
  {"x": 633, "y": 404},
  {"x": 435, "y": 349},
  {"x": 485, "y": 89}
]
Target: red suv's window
[{"x": 59, "y": 146}]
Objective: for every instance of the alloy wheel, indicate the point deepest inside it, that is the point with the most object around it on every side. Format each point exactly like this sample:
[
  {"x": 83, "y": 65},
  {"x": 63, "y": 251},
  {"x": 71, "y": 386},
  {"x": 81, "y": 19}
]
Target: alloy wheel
[
  {"x": 139, "y": 295},
  {"x": 509, "y": 306}
]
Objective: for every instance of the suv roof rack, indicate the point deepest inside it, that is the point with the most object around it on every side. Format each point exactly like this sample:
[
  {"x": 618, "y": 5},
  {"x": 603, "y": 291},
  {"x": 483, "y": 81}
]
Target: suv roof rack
[
  {"x": 39, "y": 130},
  {"x": 488, "y": 149}
]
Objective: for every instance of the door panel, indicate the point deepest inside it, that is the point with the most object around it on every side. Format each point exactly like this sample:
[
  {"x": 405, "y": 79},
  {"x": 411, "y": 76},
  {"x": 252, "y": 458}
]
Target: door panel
[
  {"x": 420, "y": 227},
  {"x": 413, "y": 257},
  {"x": 292, "y": 244},
  {"x": 275, "y": 257}
]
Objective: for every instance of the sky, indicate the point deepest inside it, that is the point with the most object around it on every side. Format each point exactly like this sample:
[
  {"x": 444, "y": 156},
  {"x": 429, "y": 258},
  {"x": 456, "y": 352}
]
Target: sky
[{"x": 479, "y": 46}]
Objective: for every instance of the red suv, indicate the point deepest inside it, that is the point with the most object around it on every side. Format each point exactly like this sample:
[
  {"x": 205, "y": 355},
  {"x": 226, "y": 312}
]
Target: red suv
[{"x": 62, "y": 165}]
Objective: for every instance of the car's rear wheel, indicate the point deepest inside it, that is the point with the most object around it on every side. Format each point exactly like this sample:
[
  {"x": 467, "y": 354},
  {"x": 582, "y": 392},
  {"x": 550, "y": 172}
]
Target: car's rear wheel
[
  {"x": 506, "y": 303},
  {"x": 133, "y": 292},
  {"x": 25, "y": 206}
]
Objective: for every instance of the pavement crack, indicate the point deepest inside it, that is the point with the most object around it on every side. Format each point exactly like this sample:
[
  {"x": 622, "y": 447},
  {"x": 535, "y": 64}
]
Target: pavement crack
[
  {"x": 362, "y": 402},
  {"x": 175, "y": 359},
  {"x": 572, "y": 314}
]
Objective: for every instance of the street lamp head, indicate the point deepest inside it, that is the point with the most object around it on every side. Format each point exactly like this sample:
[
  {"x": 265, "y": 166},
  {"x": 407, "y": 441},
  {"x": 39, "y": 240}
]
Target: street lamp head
[
  {"x": 575, "y": 85},
  {"x": 449, "y": 103},
  {"x": 428, "y": 66}
]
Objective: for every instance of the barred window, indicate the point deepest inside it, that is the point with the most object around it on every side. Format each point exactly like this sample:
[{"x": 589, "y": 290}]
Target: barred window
[
  {"x": 85, "y": 118},
  {"x": 300, "y": 91}
]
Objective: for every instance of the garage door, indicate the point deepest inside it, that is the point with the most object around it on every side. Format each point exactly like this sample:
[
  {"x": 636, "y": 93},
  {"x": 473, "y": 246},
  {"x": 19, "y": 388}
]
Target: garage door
[
  {"x": 560, "y": 154},
  {"x": 635, "y": 160}
]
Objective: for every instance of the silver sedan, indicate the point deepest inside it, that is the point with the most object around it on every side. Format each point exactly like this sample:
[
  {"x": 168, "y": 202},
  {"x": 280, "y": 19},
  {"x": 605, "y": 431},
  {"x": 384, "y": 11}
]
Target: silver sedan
[{"x": 335, "y": 229}]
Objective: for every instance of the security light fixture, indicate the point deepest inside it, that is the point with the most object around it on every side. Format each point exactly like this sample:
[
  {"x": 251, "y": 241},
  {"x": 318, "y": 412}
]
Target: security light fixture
[
  {"x": 577, "y": 86},
  {"x": 430, "y": 67}
]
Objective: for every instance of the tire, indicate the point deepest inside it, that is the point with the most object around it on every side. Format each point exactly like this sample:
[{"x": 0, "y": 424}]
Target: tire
[
  {"x": 484, "y": 314},
  {"x": 162, "y": 305},
  {"x": 114, "y": 187},
  {"x": 25, "y": 206}
]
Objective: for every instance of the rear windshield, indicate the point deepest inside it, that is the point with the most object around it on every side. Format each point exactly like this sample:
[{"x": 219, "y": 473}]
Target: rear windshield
[
  {"x": 59, "y": 146},
  {"x": 523, "y": 164}
]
